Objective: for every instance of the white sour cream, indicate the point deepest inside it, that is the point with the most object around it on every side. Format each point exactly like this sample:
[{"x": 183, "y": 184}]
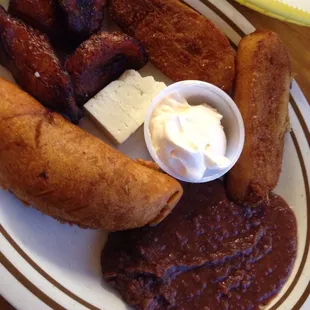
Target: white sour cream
[{"x": 188, "y": 139}]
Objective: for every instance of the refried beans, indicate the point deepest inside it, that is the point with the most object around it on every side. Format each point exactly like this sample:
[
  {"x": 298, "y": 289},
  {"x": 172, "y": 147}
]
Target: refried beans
[{"x": 209, "y": 253}]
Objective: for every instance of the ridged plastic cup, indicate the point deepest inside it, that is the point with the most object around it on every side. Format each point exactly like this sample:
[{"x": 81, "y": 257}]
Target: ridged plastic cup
[{"x": 198, "y": 92}]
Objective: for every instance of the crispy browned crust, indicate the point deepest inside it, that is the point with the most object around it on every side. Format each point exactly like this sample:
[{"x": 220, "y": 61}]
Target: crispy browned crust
[
  {"x": 70, "y": 175},
  {"x": 262, "y": 95},
  {"x": 182, "y": 43},
  {"x": 28, "y": 54},
  {"x": 83, "y": 18},
  {"x": 102, "y": 59},
  {"x": 148, "y": 163},
  {"x": 39, "y": 14}
]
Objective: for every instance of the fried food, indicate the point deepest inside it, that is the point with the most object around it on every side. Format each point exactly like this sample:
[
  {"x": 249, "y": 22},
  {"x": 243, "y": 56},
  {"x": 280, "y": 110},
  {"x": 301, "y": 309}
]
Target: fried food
[
  {"x": 100, "y": 60},
  {"x": 37, "y": 13},
  {"x": 262, "y": 95},
  {"x": 28, "y": 54},
  {"x": 83, "y": 18},
  {"x": 182, "y": 43},
  {"x": 72, "y": 176}
]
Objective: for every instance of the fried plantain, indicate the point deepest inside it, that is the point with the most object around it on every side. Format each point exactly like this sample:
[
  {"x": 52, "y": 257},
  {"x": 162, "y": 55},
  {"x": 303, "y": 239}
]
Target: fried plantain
[
  {"x": 182, "y": 43},
  {"x": 42, "y": 15},
  {"x": 262, "y": 95},
  {"x": 83, "y": 18},
  {"x": 28, "y": 54},
  {"x": 101, "y": 59}
]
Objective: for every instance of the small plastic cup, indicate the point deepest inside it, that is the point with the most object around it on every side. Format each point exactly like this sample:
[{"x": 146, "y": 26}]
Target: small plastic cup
[{"x": 198, "y": 92}]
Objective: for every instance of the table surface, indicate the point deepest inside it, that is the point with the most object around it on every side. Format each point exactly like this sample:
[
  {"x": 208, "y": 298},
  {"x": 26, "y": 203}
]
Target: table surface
[{"x": 297, "y": 40}]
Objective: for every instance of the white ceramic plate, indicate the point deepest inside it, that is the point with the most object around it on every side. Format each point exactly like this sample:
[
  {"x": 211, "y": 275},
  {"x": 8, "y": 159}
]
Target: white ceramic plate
[{"x": 49, "y": 265}]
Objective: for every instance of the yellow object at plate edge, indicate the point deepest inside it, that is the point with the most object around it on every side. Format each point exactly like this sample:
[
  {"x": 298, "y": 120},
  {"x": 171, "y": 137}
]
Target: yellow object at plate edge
[{"x": 279, "y": 10}]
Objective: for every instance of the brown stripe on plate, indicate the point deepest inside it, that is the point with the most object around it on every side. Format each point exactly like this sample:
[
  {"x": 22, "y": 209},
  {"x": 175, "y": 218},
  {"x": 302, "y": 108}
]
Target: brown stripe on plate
[
  {"x": 303, "y": 298},
  {"x": 235, "y": 47},
  {"x": 29, "y": 285},
  {"x": 43, "y": 273},
  {"x": 300, "y": 118},
  {"x": 307, "y": 243},
  {"x": 223, "y": 16}
]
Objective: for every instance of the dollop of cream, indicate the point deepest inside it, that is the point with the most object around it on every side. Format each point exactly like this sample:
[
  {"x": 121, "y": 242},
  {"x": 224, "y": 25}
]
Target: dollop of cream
[{"x": 188, "y": 139}]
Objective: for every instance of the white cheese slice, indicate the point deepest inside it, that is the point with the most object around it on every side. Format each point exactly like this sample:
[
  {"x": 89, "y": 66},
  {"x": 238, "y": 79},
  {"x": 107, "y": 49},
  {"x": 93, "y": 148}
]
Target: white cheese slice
[{"x": 120, "y": 108}]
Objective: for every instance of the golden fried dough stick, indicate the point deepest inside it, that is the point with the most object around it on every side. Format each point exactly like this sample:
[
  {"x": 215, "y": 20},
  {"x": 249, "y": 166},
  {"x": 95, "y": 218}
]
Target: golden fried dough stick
[
  {"x": 182, "y": 43},
  {"x": 262, "y": 95},
  {"x": 72, "y": 176}
]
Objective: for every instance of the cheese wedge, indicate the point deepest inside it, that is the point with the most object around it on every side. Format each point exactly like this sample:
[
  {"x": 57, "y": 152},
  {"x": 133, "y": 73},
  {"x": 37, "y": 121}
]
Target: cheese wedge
[{"x": 120, "y": 108}]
